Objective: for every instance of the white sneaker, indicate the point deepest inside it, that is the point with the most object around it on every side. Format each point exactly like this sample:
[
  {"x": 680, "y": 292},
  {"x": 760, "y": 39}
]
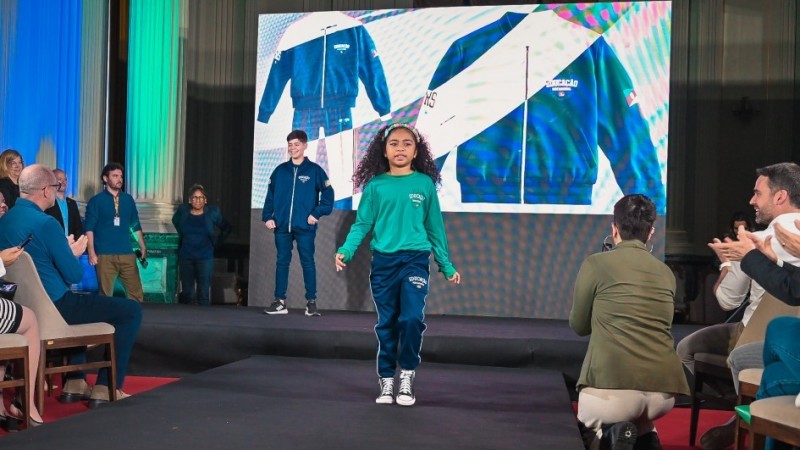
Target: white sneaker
[
  {"x": 386, "y": 396},
  {"x": 405, "y": 395}
]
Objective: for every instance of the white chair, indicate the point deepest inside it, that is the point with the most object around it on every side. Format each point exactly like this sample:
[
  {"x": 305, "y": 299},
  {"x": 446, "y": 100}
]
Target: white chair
[{"x": 56, "y": 334}]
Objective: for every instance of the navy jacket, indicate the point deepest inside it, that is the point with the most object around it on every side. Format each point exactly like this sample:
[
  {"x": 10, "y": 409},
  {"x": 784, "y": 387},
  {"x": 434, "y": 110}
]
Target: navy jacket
[
  {"x": 294, "y": 193},
  {"x": 782, "y": 282},
  {"x": 325, "y": 69},
  {"x": 74, "y": 227},
  {"x": 217, "y": 227}
]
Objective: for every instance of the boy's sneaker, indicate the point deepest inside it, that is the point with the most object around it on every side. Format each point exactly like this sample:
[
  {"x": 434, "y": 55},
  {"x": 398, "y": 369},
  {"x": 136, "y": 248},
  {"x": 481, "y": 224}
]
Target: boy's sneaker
[
  {"x": 405, "y": 395},
  {"x": 311, "y": 309},
  {"x": 277, "y": 307},
  {"x": 386, "y": 396}
]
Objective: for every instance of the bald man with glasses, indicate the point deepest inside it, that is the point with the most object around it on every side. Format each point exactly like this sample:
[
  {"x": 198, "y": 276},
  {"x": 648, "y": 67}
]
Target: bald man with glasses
[{"x": 56, "y": 261}]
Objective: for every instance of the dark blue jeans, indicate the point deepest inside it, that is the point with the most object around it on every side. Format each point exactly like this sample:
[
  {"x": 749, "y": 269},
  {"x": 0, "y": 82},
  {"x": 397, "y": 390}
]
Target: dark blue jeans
[
  {"x": 196, "y": 271},
  {"x": 284, "y": 242},
  {"x": 781, "y": 358},
  {"x": 781, "y": 364},
  {"x": 124, "y": 314}
]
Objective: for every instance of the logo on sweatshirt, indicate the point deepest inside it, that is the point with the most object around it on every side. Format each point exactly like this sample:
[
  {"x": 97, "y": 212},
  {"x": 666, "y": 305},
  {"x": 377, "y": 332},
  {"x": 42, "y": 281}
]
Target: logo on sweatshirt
[
  {"x": 561, "y": 86},
  {"x": 418, "y": 282},
  {"x": 416, "y": 199},
  {"x": 304, "y": 178},
  {"x": 341, "y": 48}
]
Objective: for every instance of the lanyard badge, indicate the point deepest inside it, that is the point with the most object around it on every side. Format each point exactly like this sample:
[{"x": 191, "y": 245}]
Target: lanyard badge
[{"x": 116, "y": 210}]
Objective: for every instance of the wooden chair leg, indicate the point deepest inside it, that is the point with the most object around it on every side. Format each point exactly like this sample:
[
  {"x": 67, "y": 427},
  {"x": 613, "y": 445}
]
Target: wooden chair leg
[
  {"x": 40, "y": 378},
  {"x": 112, "y": 371},
  {"x": 741, "y": 434},
  {"x": 697, "y": 385},
  {"x": 26, "y": 391},
  {"x": 759, "y": 441}
]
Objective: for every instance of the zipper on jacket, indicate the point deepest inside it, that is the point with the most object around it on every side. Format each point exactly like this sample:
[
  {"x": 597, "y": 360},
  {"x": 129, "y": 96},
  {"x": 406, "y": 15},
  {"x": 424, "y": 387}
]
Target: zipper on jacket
[
  {"x": 524, "y": 130},
  {"x": 291, "y": 204},
  {"x": 324, "y": 63}
]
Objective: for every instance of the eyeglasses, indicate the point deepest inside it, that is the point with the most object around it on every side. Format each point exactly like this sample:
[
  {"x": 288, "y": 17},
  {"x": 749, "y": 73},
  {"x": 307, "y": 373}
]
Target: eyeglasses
[
  {"x": 56, "y": 186},
  {"x": 198, "y": 197},
  {"x": 15, "y": 164}
]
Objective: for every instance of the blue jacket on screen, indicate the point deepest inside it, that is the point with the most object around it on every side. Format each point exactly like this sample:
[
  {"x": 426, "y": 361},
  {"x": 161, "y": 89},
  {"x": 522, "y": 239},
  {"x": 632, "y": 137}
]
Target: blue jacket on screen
[
  {"x": 590, "y": 104},
  {"x": 325, "y": 56},
  {"x": 294, "y": 193}
]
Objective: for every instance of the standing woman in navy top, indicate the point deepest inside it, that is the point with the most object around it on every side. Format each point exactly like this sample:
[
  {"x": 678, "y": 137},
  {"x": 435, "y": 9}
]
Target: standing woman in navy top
[
  {"x": 11, "y": 165},
  {"x": 201, "y": 227}
]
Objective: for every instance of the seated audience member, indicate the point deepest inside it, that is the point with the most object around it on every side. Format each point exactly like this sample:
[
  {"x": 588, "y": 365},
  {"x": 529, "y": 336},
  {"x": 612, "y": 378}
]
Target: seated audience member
[
  {"x": 56, "y": 261},
  {"x": 65, "y": 210},
  {"x": 15, "y": 318},
  {"x": 738, "y": 219},
  {"x": 11, "y": 165},
  {"x": 201, "y": 227},
  {"x": 776, "y": 198},
  {"x": 624, "y": 300}
]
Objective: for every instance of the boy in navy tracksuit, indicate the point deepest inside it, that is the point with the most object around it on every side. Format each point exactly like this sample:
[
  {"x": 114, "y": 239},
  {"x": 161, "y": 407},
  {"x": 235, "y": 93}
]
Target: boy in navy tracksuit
[{"x": 299, "y": 193}]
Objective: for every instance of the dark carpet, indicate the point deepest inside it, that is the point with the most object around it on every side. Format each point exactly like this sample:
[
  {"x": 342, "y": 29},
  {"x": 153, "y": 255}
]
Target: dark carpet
[{"x": 298, "y": 403}]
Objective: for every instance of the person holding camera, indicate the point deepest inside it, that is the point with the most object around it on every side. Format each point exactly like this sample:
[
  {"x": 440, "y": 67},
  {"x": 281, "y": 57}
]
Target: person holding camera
[{"x": 624, "y": 301}]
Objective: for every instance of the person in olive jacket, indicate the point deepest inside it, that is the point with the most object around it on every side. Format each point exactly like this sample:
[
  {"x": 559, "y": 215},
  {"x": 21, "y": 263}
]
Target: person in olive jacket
[{"x": 624, "y": 300}]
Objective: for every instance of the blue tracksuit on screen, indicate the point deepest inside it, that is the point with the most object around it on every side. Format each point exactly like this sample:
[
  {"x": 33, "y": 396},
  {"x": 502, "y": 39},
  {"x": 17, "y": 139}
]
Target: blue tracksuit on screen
[
  {"x": 543, "y": 150},
  {"x": 325, "y": 56}
]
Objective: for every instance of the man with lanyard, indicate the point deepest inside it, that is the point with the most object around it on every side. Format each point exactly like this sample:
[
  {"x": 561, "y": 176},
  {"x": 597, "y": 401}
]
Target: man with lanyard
[
  {"x": 111, "y": 216},
  {"x": 65, "y": 210}
]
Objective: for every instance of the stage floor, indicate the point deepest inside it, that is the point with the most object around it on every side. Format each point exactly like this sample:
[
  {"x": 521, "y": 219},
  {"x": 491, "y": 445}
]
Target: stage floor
[
  {"x": 302, "y": 403},
  {"x": 178, "y": 340}
]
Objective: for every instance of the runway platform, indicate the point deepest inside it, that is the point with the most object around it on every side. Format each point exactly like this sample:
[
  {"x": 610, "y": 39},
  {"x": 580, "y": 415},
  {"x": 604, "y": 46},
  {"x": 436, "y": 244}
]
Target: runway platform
[
  {"x": 176, "y": 340},
  {"x": 307, "y": 403},
  {"x": 249, "y": 380}
]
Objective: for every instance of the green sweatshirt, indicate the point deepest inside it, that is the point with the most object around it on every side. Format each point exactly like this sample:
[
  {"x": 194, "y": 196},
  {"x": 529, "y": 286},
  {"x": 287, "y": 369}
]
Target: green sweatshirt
[{"x": 403, "y": 213}]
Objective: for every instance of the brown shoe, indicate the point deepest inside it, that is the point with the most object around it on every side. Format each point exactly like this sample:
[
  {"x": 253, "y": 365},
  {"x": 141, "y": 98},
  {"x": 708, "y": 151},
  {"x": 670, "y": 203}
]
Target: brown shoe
[
  {"x": 100, "y": 396},
  {"x": 719, "y": 437},
  {"x": 75, "y": 390}
]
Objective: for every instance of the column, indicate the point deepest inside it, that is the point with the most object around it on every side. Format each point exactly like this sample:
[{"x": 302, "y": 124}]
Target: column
[{"x": 156, "y": 105}]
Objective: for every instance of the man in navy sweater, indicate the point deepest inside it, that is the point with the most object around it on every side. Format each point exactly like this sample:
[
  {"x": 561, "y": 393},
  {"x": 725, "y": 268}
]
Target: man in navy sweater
[
  {"x": 299, "y": 193},
  {"x": 56, "y": 261}
]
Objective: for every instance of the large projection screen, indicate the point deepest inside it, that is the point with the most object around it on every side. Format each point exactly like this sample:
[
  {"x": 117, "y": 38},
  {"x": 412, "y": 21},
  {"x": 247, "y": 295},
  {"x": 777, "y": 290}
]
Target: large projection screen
[{"x": 540, "y": 116}]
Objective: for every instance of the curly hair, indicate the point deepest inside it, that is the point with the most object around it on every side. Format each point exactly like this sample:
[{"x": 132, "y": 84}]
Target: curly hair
[{"x": 375, "y": 162}]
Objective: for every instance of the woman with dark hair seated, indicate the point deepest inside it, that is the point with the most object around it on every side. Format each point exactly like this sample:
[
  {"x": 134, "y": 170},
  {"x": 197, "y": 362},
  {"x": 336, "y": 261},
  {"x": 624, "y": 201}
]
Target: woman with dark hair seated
[{"x": 624, "y": 300}]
